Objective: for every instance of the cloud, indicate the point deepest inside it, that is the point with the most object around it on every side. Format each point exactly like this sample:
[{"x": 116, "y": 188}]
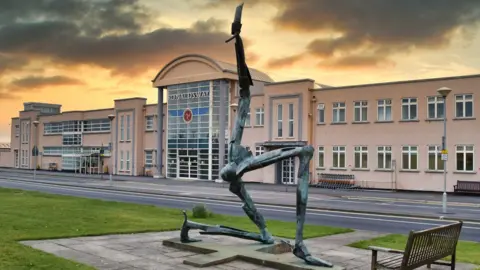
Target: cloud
[
  {"x": 7, "y": 96},
  {"x": 34, "y": 82},
  {"x": 378, "y": 29},
  {"x": 11, "y": 63},
  {"x": 284, "y": 62},
  {"x": 110, "y": 34}
]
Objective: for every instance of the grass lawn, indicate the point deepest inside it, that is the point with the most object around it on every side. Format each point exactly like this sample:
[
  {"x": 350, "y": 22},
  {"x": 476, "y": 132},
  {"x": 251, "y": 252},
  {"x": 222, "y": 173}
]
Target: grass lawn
[
  {"x": 466, "y": 251},
  {"x": 26, "y": 215}
]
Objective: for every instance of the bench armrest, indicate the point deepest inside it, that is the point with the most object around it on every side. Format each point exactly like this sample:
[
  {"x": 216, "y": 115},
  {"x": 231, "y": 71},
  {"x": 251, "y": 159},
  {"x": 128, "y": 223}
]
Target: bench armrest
[{"x": 389, "y": 250}]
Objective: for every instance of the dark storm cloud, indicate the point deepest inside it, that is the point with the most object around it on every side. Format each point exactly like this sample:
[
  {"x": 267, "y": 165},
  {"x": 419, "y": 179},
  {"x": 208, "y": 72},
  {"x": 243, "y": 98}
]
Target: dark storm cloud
[
  {"x": 376, "y": 29},
  {"x": 33, "y": 82},
  {"x": 10, "y": 63},
  {"x": 109, "y": 34}
]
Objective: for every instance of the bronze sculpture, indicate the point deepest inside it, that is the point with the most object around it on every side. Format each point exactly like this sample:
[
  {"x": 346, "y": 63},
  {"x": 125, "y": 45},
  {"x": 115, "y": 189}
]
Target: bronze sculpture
[{"x": 242, "y": 161}]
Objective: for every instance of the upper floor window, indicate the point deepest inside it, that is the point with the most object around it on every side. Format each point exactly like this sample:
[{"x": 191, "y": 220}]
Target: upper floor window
[
  {"x": 321, "y": 113},
  {"x": 149, "y": 122},
  {"x": 259, "y": 116},
  {"x": 122, "y": 128},
  {"x": 384, "y": 110},
  {"x": 279, "y": 120},
  {"x": 72, "y": 139},
  {"x": 464, "y": 106},
  {"x": 464, "y": 158},
  {"x": 290, "y": 120},
  {"x": 409, "y": 108},
  {"x": 97, "y": 125},
  {"x": 435, "y": 107},
  {"x": 360, "y": 111},
  {"x": 339, "y": 112},
  {"x": 53, "y": 128},
  {"x": 72, "y": 126},
  {"x": 247, "y": 119},
  {"x": 128, "y": 127},
  {"x": 17, "y": 130}
]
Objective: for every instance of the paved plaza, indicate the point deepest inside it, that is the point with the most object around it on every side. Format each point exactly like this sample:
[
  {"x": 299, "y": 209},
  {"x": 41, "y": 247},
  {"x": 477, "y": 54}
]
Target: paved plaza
[{"x": 145, "y": 251}]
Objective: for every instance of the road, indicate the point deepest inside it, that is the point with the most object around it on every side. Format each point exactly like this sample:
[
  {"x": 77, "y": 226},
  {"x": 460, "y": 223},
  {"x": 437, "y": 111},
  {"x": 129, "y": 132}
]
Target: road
[
  {"x": 362, "y": 221},
  {"x": 466, "y": 208}
]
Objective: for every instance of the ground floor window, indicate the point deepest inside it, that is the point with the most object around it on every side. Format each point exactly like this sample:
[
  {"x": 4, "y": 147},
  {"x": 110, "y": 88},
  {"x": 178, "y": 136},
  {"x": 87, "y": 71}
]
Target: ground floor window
[
  {"x": 15, "y": 158},
  {"x": 464, "y": 158},
  {"x": 339, "y": 157},
  {"x": 148, "y": 158},
  {"x": 288, "y": 171},
  {"x": 259, "y": 150},
  {"x": 410, "y": 157},
  {"x": 321, "y": 157},
  {"x": 361, "y": 157},
  {"x": 435, "y": 162},
  {"x": 384, "y": 157}
]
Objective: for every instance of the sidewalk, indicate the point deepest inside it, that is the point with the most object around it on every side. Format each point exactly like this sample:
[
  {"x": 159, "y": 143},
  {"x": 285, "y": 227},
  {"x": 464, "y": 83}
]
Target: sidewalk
[{"x": 146, "y": 251}]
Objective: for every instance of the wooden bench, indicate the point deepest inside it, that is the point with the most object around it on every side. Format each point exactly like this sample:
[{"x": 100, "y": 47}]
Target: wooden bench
[
  {"x": 425, "y": 247},
  {"x": 467, "y": 186},
  {"x": 334, "y": 180}
]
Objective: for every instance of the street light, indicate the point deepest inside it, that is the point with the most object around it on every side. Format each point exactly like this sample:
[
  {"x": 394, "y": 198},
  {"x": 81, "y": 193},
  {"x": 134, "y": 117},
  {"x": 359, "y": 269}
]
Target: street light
[
  {"x": 35, "y": 150},
  {"x": 111, "y": 117},
  {"x": 444, "y": 91}
]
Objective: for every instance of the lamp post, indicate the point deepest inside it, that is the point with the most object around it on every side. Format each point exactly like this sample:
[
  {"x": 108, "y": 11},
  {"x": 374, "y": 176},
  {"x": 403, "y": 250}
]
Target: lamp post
[
  {"x": 35, "y": 150},
  {"x": 444, "y": 91},
  {"x": 111, "y": 117}
]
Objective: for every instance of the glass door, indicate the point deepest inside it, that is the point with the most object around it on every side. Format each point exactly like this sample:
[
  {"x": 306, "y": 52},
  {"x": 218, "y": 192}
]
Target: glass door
[{"x": 288, "y": 171}]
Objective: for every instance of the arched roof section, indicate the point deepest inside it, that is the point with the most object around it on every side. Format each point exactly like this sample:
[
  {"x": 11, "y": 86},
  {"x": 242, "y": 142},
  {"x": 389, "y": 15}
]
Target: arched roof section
[{"x": 196, "y": 67}]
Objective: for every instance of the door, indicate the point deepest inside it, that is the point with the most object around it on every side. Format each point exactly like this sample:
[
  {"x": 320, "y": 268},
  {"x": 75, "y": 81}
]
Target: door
[
  {"x": 288, "y": 171},
  {"x": 188, "y": 167},
  {"x": 15, "y": 158}
]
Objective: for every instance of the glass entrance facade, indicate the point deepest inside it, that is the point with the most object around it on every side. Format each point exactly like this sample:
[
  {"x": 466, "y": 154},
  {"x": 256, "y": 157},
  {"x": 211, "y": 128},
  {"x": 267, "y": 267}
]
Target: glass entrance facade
[{"x": 194, "y": 123}]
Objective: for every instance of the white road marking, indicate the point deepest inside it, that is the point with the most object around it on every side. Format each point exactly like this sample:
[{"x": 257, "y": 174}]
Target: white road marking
[{"x": 284, "y": 209}]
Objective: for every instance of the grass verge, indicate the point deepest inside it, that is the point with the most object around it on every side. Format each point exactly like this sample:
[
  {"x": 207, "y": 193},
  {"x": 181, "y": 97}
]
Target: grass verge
[
  {"x": 466, "y": 251},
  {"x": 26, "y": 215}
]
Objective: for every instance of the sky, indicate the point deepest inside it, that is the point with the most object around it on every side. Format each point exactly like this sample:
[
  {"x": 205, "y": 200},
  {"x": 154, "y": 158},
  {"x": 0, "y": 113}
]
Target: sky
[{"x": 83, "y": 54}]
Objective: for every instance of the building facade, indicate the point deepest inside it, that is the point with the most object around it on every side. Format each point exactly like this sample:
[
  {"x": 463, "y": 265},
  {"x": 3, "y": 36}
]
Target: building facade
[{"x": 386, "y": 135}]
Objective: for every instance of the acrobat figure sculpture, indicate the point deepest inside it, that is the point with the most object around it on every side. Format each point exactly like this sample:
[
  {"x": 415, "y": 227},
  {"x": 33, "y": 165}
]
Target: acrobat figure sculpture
[{"x": 242, "y": 161}]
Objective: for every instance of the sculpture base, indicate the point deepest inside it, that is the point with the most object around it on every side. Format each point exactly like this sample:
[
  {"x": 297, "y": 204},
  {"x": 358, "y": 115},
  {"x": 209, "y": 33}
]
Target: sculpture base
[{"x": 277, "y": 255}]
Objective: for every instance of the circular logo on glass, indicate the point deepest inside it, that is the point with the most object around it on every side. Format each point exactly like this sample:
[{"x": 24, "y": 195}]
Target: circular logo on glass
[{"x": 187, "y": 115}]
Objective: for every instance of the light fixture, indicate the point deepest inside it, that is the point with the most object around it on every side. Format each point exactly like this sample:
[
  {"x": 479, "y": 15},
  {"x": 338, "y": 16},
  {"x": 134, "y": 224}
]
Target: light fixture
[{"x": 444, "y": 91}]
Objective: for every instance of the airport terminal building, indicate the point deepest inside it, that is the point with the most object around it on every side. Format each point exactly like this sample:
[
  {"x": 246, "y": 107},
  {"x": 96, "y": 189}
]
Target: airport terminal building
[{"x": 385, "y": 135}]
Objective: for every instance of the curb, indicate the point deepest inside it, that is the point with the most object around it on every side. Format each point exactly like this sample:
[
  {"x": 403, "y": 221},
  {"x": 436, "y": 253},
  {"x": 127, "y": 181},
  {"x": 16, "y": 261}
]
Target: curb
[{"x": 236, "y": 200}]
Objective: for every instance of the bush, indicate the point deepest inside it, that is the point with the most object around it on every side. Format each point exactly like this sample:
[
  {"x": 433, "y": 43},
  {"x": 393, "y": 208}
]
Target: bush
[{"x": 201, "y": 211}]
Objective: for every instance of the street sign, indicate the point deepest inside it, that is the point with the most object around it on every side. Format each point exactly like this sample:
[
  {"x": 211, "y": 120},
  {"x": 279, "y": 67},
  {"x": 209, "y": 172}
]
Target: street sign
[
  {"x": 445, "y": 157},
  {"x": 445, "y": 151}
]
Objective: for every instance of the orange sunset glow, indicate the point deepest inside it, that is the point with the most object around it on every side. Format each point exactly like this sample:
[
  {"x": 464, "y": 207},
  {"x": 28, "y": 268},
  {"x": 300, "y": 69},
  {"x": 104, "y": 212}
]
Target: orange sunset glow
[{"x": 83, "y": 54}]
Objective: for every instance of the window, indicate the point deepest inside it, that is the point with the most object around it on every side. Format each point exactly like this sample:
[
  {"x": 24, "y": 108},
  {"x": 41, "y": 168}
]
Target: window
[
  {"x": 338, "y": 112},
  {"x": 148, "y": 159},
  {"x": 72, "y": 139},
  {"x": 321, "y": 113},
  {"x": 435, "y": 107},
  {"x": 361, "y": 157},
  {"x": 128, "y": 127},
  {"x": 96, "y": 125},
  {"x": 384, "y": 110},
  {"x": 259, "y": 150},
  {"x": 72, "y": 126},
  {"x": 128, "y": 160},
  {"x": 25, "y": 131},
  {"x": 259, "y": 116},
  {"x": 339, "y": 157},
  {"x": 409, "y": 157},
  {"x": 15, "y": 158},
  {"x": 360, "y": 111},
  {"x": 464, "y": 158},
  {"x": 149, "y": 122},
  {"x": 321, "y": 157},
  {"x": 435, "y": 162},
  {"x": 122, "y": 128},
  {"x": 247, "y": 119},
  {"x": 53, "y": 128},
  {"x": 409, "y": 108},
  {"x": 52, "y": 151},
  {"x": 463, "y": 106},
  {"x": 290, "y": 120},
  {"x": 384, "y": 157},
  {"x": 121, "y": 160},
  {"x": 17, "y": 131},
  {"x": 279, "y": 120}
]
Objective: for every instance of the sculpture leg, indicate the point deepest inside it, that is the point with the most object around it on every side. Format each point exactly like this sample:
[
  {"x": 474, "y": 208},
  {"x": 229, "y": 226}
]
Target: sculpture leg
[
  {"x": 300, "y": 250},
  {"x": 237, "y": 187}
]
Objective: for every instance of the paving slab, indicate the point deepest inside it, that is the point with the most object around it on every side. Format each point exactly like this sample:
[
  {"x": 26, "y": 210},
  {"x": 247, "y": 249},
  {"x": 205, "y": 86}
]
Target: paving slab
[{"x": 146, "y": 251}]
